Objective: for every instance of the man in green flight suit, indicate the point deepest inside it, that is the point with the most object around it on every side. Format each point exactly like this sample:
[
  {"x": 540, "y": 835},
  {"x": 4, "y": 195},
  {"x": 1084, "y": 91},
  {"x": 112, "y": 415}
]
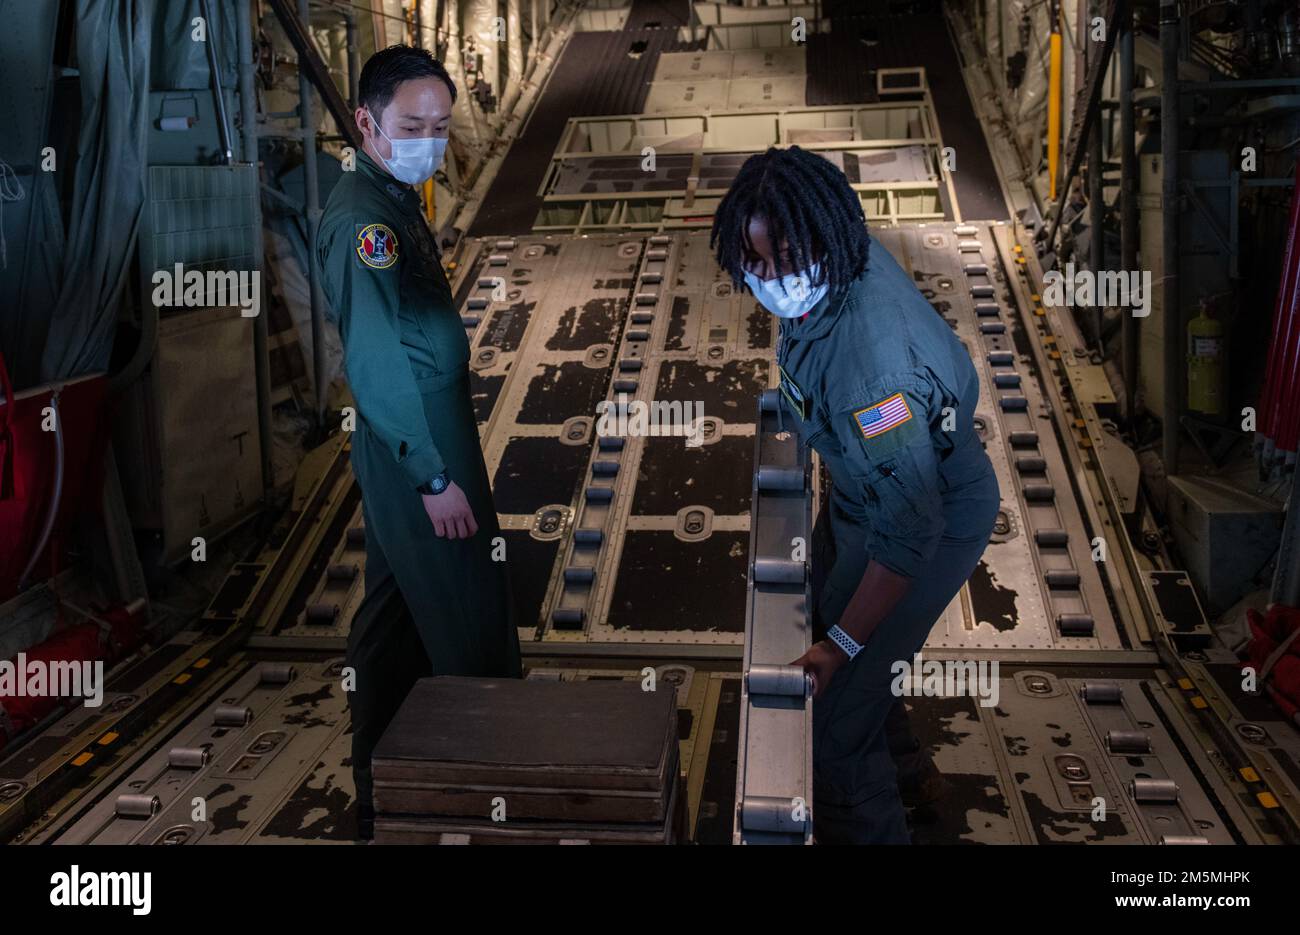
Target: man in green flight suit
[{"x": 436, "y": 601}]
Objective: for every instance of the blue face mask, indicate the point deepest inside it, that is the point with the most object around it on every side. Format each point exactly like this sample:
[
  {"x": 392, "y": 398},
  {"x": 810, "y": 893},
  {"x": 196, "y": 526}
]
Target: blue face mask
[{"x": 798, "y": 297}]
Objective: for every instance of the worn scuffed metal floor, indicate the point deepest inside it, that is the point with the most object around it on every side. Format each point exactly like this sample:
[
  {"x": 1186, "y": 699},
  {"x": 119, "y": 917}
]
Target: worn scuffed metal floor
[{"x": 662, "y": 592}]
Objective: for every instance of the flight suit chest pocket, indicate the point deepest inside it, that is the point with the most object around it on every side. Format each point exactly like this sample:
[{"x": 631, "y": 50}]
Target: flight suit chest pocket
[
  {"x": 432, "y": 331},
  {"x": 423, "y": 253}
]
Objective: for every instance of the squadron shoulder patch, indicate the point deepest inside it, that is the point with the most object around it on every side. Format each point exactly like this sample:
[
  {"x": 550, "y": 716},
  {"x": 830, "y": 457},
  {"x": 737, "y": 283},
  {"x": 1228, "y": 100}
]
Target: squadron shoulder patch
[
  {"x": 377, "y": 246},
  {"x": 883, "y": 416}
]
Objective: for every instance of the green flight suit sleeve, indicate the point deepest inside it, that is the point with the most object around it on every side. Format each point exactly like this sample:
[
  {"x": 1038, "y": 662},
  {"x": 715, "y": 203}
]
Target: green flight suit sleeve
[
  {"x": 366, "y": 297},
  {"x": 884, "y": 428}
]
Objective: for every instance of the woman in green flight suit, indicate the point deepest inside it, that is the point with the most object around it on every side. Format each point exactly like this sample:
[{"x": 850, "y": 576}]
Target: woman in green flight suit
[
  {"x": 887, "y": 395},
  {"x": 437, "y": 598}
]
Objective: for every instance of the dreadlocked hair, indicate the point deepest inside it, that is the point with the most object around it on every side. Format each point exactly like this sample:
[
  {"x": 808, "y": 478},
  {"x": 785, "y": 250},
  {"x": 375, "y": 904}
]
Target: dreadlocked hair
[{"x": 807, "y": 203}]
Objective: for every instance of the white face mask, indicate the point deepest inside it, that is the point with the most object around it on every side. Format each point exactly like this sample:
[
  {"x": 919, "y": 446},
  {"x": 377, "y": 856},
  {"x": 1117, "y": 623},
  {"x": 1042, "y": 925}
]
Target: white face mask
[
  {"x": 797, "y": 298},
  {"x": 413, "y": 160}
]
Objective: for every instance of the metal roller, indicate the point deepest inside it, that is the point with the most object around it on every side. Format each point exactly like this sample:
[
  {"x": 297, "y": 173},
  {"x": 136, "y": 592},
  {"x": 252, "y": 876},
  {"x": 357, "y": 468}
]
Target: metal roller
[
  {"x": 771, "y": 477},
  {"x": 343, "y": 572},
  {"x": 626, "y": 386},
  {"x": 579, "y": 575},
  {"x": 1023, "y": 439},
  {"x": 638, "y": 335},
  {"x": 661, "y": 239},
  {"x": 642, "y": 318},
  {"x": 477, "y": 302},
  {"x": 1039, "y": 493},
  {"x": 771, "y": 813},
  {"x": 779, "y": 571},
  {"x": 1183, "y": 839},
  {"x": 647, "y": 298},
  {"x": 630, "y": 364},
  {"x": 356, "y": 536},
  {"x": 1154, "y": 791},
  {"x": 969, "y": 246},
  {"x": 981, "y": 292},
  {"x": 992, "y": 327},
  {"x": 1013, "y": 403},
  {"x": 965, "y": 230},
  {"x": 604, "y": 468},
  {"x": 276, "y": 673},
  {"x": 1128, "y": 741},
  {"x": 611, "y": 443},
  {"x": 1006, "y": 381},
  {"x": 567, "y": 618},
  {"x": 600, "y": 494},
  {"x": 588, "y": 536},
  {"x": 1031, "y": 464},
  {"x": 188, "y": 757},
  {"x": 1057, "y": 578},
  {"x": 778, "y": 680},
  {"x": 498, "y": 259},
  {"x": 131, "y": 805},
  {"x": 1101, "y": 692},
  {"x": 227, "y": 715},
  {"x": 988, "y": 309},
  {"x": 470, "y": 321},
  {"x": 976, "y": 269},
  {"x": 1075, "y": 624},
  {"x": 504, "y": 245},
  {"x": 1052, "y": 537},
  {"x": 322, "y": 614},
  {"x": 1001, "y": 358},
  {"x": 769, "y": 400},
  {"x": 656, "y": 254}
]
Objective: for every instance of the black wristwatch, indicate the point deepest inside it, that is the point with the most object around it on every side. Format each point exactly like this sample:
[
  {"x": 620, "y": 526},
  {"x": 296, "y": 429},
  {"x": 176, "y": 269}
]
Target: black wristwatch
[{"x": 437, "y": 485}]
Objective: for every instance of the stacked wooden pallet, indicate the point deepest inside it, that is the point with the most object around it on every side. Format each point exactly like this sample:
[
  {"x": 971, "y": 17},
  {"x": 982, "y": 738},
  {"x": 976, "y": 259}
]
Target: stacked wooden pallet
[{"x": 529, "y": 761}]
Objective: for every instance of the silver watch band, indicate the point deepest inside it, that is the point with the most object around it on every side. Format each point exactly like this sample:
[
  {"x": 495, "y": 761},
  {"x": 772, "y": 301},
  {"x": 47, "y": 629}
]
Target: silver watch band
[{"x": 845, "y": 642}]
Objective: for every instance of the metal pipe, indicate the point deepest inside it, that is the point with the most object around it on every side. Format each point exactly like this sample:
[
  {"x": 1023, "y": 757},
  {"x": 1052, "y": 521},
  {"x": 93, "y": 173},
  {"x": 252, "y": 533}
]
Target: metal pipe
[
  {"x": 1128, "y": 215},
  {"x": 1170, "y": 29},
  {"x": 354, "y": 59},
  {"x": 312, "y": 207},
  {"x": 1054, "y": 99},
  {"x": 218, "y": 95},
  {"x": 1096, "y": 223},
  {"x": 261, "y": 342},
  {"x": 1286, "y": 573},
  {"x": 532, "y": 31}
]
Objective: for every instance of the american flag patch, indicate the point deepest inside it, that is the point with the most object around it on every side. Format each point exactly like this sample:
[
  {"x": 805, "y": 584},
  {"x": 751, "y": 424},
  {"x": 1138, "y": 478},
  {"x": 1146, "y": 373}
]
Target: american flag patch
[{"x": 883, "y": 416}]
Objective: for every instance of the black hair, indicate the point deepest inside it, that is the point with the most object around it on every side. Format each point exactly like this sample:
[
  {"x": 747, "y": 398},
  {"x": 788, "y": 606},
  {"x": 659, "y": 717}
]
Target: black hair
[
  {"x": 389, "y": 67},
  {"x": 807, "y": 202}
]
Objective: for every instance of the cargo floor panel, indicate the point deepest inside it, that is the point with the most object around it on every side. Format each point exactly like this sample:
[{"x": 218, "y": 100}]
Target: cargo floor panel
[
  {"x": 535, "y": 472},
  {"x": 1044, "y": 765},
  {"x": 727, "y": 391},
  {"x": 670, "y": 497},
  {"x": 1036, "y": 586},
  {"x": 264, "y": 758},
  {"x": 673, "y": 475},
  {"x": 715, "y": 568}
]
